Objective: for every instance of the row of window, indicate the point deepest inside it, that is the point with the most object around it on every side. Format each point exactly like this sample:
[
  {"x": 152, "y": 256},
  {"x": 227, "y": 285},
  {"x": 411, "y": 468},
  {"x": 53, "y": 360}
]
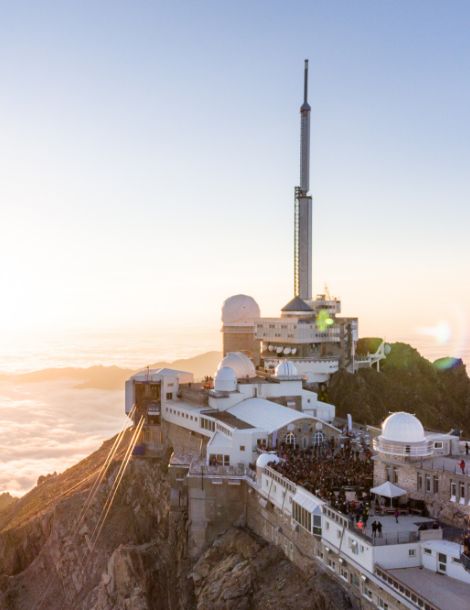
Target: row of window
[
  {"x": 181, "y": 414},
  {"x": 304, "y": 518},
  {"x": 335, "y": 516},
  {"x": 223, "y": 429},
  {"x": 460, "y": 497},
  {"x": 354, "y": 580},
  {"x": 427, "y": 483},
  {"x": 318, "y": 438},
  {"x": 398, "y": 586},
  {"x": 217, "y": 459},
  {"x": 279, "y": 478},
  {"x": 207, "y": 424}
]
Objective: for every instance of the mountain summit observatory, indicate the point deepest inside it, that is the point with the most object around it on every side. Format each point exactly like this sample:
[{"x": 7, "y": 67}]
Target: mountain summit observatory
[{"x": 309, "y": 332}]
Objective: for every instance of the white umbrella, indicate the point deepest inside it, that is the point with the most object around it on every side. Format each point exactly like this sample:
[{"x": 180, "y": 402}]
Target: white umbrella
[{"x": 388, "y": 490}]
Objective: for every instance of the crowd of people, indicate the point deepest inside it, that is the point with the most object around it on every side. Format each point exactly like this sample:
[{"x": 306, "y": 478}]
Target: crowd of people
[{"x": 330, "y": 473}]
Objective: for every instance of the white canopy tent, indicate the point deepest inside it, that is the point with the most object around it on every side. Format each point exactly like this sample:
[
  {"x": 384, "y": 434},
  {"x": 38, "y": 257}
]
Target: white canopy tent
[{"x": 388, "y": 490}]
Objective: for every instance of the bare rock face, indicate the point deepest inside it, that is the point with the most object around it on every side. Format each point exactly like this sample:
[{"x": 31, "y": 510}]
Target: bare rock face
[
  {"x": 48, "y": 560},
  {"x": 241, "y": 572}
]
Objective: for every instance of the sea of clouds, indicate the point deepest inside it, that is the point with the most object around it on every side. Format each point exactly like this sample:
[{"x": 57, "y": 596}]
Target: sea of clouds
[{"x": 49, "y": 426}]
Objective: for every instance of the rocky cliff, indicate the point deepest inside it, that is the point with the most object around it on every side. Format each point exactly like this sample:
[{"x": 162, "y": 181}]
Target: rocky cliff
[{"x": 139, "y": 562}]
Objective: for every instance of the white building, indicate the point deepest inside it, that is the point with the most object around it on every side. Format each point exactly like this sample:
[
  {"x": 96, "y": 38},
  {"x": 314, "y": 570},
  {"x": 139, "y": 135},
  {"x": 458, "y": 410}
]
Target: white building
[{"x": 241, "y": 415}]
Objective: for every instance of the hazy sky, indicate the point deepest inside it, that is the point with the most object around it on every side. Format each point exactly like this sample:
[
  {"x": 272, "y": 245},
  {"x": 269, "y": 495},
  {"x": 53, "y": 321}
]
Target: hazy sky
[{"x": 149, "y": 153}]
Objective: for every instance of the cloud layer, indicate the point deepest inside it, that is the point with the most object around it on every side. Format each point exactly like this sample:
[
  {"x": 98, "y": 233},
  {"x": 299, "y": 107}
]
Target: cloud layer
[{"x": 47, "y": 427}]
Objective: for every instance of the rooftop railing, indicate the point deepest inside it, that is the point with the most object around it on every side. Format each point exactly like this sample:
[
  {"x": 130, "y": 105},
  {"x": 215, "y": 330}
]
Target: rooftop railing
[
  {"x": 199, "y": 467},
  {"x": 403, "y": 449}
]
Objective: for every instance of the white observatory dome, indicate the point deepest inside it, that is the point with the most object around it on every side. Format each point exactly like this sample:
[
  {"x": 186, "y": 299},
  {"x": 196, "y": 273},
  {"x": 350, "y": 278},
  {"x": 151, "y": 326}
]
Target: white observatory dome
[
  {"x": 240, "y": 310},
  {"x": 265, "y": 458},
  {"x": 225, "y": 380},
  {"x": 240, "y": 363},
  {"x": 402, "y": 427},
  {"x": 286, "y": 369}
]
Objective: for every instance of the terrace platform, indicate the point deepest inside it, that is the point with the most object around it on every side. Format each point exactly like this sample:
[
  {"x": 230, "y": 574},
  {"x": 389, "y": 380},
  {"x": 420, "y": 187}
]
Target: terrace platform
[
  {"x": 406, "y": 530},
  {"x": 442, "y": 591}
]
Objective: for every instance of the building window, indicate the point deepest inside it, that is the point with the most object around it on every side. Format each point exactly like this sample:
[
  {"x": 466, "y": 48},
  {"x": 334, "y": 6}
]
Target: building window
[
  {"x": 428, "y": 483},
  {"x": 302, "y": 516},
  {"x": 461, "y": 492},
  {"x": 427, "y": 552},
  {"x": 290, "y": 439},
  {"x": 412, "y": 552},
  {"x": 219, "y": 460},
  {"x": 242, "y": 447},
  {"x": 435, "y": 484},
  {"x": 419, "y": 481},
  {"x": 169, "y": 395},
  {"x": 382, "y": 604},
  {"x": 453, "y": 491},
  {"x": 367, "y": 592},
  {"x": 354, "y": 580},
  {"x": 438, "y": 444}
]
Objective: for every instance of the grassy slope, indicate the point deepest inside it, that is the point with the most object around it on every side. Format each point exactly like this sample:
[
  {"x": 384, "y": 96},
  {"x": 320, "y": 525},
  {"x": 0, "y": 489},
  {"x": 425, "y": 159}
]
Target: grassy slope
[{"x": 408, "y": 382}]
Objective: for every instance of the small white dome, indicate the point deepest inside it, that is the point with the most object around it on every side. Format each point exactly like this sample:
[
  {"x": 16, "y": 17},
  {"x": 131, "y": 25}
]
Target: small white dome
[
  {"x": 286, "y": 369},
  {"x": 240, "y": 310},
  {"x": 240, "y": 363},
  {"x": 225, "y": 380},
  {"x": 265, "y": 458},
  {"x": 402, "y": 427}
]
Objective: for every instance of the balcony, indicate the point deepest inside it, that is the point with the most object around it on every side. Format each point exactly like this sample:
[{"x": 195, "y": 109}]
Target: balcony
[{"x": 423, "y": 449}]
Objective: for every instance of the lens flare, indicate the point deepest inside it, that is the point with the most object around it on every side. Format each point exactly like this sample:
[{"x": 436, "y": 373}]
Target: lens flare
[
  {"x": 449, "y": 337},
  {"x": 441, "y": 332},
  {"x": 323, "y": 320}
]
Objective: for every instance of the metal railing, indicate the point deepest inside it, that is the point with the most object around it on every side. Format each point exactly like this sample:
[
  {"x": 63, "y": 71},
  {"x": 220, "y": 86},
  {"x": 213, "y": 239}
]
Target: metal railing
[
  {"x": 404, "y": 449},
  {"x": 446, "y": 464},
  {"x": 201, "y": 468}
]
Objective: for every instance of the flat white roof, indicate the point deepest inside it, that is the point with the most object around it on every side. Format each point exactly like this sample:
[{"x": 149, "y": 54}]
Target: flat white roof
[
  {"x": 158, "y": 374},
  {"x": 443, "y": 546},
  {"x": 438, "y": 589},
  {"x": 267, "y": 415}
]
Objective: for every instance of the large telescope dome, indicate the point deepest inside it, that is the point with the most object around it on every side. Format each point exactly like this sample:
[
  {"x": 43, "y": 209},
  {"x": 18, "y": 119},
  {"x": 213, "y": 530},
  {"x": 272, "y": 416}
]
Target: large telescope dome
[
  {"x": 240, "y": 310},
  {"x": 402, "y": 427}
]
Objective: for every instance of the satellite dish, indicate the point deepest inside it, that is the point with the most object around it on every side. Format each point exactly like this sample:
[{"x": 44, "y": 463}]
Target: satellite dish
[
  {"x": 271, "y": 348},
  {"x": 294, "y": 350},
  {"x": 287, "y": 350},
  {"x": 279, "y": 350},
  {"x": 387, "y": 349},
  {"x": 318, "y": 426},
  {"x": 291, "y": 427}
]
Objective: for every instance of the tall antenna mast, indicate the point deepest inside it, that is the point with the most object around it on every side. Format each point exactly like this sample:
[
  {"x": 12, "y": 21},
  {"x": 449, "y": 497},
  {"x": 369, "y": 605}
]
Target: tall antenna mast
[
  {"x": 305, "y": 81},
  {"x": 303, "y": 206},
  {"x": 305, "y": 137}
]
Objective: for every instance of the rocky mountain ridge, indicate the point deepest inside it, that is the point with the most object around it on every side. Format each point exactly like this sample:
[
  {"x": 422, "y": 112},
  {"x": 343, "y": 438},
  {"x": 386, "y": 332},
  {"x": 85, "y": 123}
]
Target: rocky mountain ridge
[{"x": 48, "y": 560}]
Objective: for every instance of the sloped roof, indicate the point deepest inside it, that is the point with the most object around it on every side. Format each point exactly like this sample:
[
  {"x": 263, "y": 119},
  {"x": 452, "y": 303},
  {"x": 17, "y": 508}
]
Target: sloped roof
[
  {"x": 267, "y": 415},
  {"x": 297, "y": 304}
]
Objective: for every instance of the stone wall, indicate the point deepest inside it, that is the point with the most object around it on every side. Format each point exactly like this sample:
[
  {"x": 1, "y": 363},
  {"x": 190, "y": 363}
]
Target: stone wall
[
  {"x": 215, "y": 503},
  {"x": 241, "y": 340},
  {"x": 438, "y": 503},
  {"x": 183, "y": 440}
]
